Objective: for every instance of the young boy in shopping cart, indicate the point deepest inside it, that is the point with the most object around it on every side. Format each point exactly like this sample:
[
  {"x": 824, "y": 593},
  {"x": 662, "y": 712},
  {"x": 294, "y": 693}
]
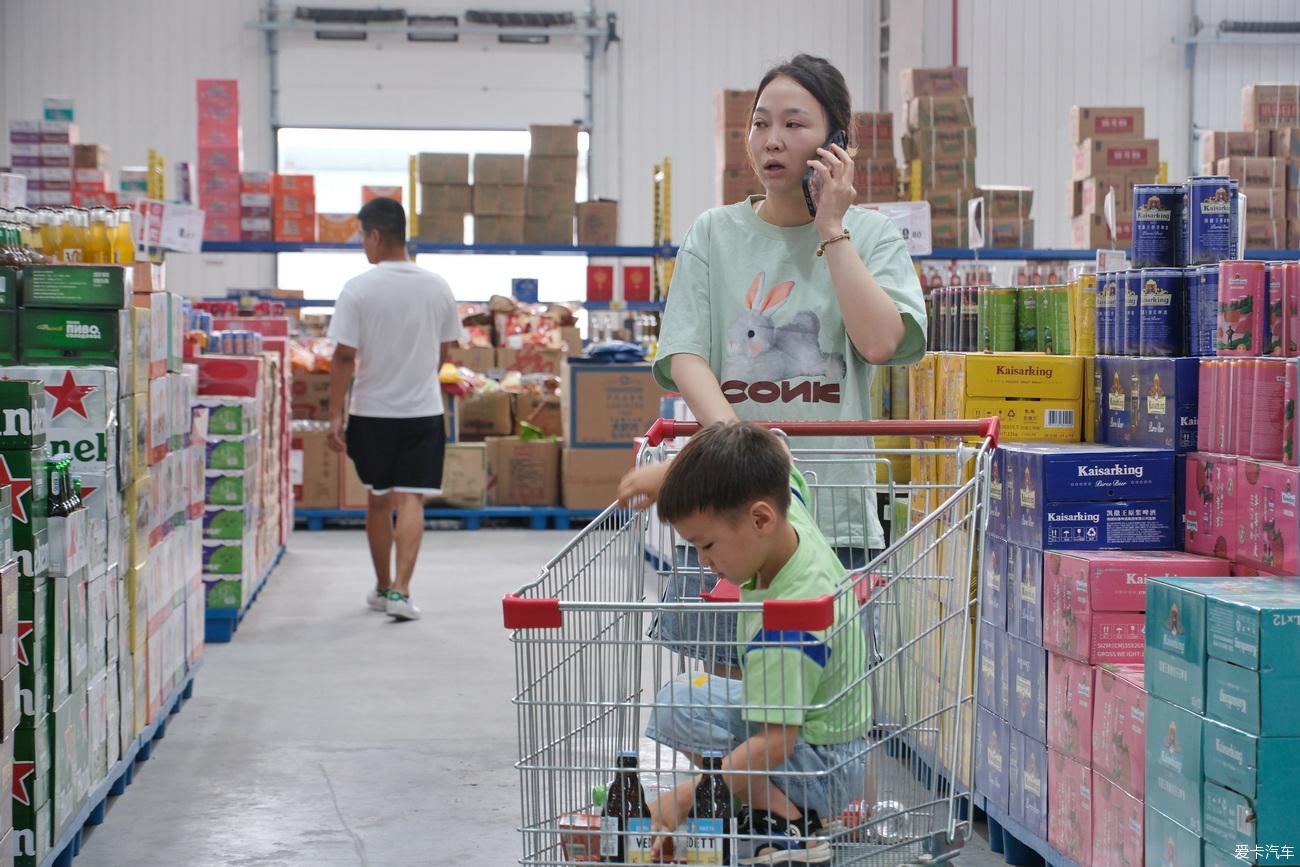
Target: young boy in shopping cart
[{"x": 793, "y": 725}]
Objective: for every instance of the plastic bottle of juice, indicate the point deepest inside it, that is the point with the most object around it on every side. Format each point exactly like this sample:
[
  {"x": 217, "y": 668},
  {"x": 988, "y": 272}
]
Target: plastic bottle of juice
[
  {"x": 98, "y": 250},
  {"x": 123, "y": 241}
]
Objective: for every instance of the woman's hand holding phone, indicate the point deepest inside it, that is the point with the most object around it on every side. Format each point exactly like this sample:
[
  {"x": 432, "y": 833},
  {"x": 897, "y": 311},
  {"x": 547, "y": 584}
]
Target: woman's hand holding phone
[{"x": 831, "y": 188}]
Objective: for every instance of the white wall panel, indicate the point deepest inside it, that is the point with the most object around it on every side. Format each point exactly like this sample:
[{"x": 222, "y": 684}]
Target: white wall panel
[
  {"x": 131, "y": 66},
  {"x": 1222, "y": 70}
]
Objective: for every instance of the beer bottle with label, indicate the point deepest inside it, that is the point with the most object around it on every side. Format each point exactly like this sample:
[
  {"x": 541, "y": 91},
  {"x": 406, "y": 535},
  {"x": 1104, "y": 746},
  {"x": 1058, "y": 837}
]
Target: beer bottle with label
[
  {"x": 68, "y": 493},
  {"x": 57, "y": 506},
  {"x": 625, "y": 820},
  {"x": 708, "y": 828}
]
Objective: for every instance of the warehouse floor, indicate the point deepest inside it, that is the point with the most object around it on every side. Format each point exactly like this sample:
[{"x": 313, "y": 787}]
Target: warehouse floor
[{"x": 327, "y": 735}]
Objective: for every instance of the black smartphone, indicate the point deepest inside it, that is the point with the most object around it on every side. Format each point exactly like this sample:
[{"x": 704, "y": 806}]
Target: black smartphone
[{"x": 839, "y": 137}]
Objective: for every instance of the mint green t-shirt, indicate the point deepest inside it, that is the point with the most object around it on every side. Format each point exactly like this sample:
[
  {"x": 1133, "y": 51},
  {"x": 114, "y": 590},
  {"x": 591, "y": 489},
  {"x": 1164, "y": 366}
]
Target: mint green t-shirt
[
  {"x": 816, "y": 680},
  {"x": 757, "y": 303}
]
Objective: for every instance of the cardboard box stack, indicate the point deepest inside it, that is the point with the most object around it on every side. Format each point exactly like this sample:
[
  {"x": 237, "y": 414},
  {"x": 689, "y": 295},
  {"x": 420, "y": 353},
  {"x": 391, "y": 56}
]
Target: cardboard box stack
[
  {"x": 940, "y": 148},
  {"x": 45, "y": 153},
  {"x": 552, "y": 180},
  {"x": 499, "y": 198},
  {"x": 257, "y": 206},
  {"x": 875, "y": 171},
  {"x": 1109, "y": 151},
  {"x": 445, "y": 197},
  {"x": 221, "y": 157},
  {"x": 294, "y": 207},
  {"x": 1007, "y": 220},
  {"x": 1221, "y": 666},
  {"x": 733, "y": 111}
]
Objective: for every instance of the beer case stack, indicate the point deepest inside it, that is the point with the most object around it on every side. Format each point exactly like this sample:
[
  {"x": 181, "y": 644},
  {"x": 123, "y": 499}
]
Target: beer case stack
[
  {"x": 875, "y": 171},
  {"x": 91, "y": 164},
  {"x": 550, "y": 201},
  {"x": 221, "y": 157},
  {"x": 499, "y": 198},
  {"x": 294, "y": 208},
  {"x": 256, "y": 206},
  {"x": 1109, "y": 151},
  {"x": 733, "y": 112},
  {"x": 941, "y": 142},
  {"x": 43, "y": 151},
  {"x": 445, "y": 197}
]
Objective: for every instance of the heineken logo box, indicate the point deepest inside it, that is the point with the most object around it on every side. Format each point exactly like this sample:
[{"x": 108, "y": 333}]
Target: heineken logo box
[
  {"x": 32, "y": 752},
  {"x": 9, "y": 288},
  {"x": 80, "y": 412},
  {"x": 76, "y": 286},
  {"x": 35, "y": 650},
  {"x": 63, "y": 336},
  {"x": 24, "y": 473},
  {"x": 22, "y": 414}
]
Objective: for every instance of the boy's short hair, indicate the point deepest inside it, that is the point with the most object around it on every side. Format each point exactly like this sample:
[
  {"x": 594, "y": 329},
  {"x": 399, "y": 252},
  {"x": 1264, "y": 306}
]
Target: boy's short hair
[
  {"x": 385, "y": 215},
  {"x": 724, "y": 468}
]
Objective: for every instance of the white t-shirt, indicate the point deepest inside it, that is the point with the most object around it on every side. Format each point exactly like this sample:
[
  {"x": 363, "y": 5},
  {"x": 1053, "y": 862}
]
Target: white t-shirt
[{"x": 396, "y": 315}]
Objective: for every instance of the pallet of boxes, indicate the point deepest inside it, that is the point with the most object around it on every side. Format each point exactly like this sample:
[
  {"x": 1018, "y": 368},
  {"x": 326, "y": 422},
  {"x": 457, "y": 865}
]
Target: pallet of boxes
[
  {"x": 733, "y": 112},
  {"x": 552, "y": 179},
  {"x": 871, "y": 143},
  {"x": 221, "y": 159},
  {"x": 939, "y": 147},
  {"x": 499, "y": 198},
  {"x": 445, "y": 197},
  {"x": 1109, "y": 153}
]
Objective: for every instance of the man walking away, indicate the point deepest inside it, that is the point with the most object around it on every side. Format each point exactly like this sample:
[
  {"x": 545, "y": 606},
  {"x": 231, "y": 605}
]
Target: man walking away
[{"x": 392, "y": 327}]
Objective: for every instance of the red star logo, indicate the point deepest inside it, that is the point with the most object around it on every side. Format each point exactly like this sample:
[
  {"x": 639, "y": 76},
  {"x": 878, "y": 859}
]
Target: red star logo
[
  {"x": 20, "y": 487},
  {"x": 22, "y": 772},
  {"x": 87, "y": 491},
  {"x": 69, "y": 396},
  {"x": 25, "y": 628}
]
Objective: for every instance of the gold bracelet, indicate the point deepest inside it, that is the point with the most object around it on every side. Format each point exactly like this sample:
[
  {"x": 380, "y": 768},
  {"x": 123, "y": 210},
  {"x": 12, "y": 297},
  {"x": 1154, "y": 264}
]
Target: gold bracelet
[{"x": 821, "y": 248}]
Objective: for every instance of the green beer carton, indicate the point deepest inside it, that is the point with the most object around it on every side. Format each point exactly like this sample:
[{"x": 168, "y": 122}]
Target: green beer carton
[
  {"x": 223, "y": 592},
  {"x": 223, "y": 523},
  {"x": 8, "y": 288},
  {"x": 24, "y": 471},
  {"x": 35, "y": 649},
  {"x": 227, "y": 488},
  {"x": 230, "y": 416},
  {"x": 32, "y": 784},
  {"x": 8, "y": 337},
  {"x": 32, "y": 841},
  {"x": 223, "y": 557},
  {"x": 231, "y": 453},
  {"x": 22, "y": 413},
  {"x": 67, "y": 336},
  {"x": 76, "y": 287},
  {"x": 6, "y": 523}
]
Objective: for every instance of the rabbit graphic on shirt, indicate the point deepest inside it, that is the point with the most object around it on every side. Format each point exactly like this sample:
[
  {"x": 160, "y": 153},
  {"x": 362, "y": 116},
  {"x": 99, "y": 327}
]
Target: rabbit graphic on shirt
[{"x": 760, "y": 350}]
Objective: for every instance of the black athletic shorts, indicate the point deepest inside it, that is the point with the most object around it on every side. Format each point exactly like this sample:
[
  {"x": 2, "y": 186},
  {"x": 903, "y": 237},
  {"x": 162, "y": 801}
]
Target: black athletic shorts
[{"x": 398, "y": 454}]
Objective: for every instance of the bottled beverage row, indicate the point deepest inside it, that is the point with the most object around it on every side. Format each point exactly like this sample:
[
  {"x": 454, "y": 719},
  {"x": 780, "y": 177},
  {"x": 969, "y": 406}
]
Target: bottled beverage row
[{"x": 94, "y": 236}]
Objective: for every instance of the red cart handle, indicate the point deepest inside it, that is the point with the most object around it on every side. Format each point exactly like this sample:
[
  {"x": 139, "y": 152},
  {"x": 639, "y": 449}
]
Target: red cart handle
[{"x": 986, "y": 428}]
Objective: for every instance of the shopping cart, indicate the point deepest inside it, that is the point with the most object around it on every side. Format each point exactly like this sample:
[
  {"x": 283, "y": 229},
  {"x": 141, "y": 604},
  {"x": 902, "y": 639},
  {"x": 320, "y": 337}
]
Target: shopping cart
[{"x": 595, "y": 659}]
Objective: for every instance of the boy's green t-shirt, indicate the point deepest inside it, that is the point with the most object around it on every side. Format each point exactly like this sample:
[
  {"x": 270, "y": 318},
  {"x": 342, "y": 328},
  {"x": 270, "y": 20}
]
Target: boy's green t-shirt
[
  {"x": 757, "y": 303},
  {"x": 816, "y": 680}
]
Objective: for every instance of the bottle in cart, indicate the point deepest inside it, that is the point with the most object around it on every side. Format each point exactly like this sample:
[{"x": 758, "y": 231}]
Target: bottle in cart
[
  {"x": 55, "y": 507},
  {"x": 708, "y": 828},
  {"x": 625, "y": 820}
]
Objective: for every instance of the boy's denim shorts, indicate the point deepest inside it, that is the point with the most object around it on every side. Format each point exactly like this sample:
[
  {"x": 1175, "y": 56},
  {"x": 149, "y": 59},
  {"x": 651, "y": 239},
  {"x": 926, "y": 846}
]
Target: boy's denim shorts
[
  {"x": 700, "y": 712},
  {"x": 711, "y": 638}
]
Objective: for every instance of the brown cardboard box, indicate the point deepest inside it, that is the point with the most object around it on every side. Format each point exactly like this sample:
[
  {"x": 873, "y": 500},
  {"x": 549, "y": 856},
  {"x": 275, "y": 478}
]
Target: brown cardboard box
[
  {"x": 444, "y": 168},
  {"x": 733, "y": 109},
  {"x": 554, "y": 140},
  {"x": 946, "y": 112},
  {"x": 935, "y": 81},
  {"x": 1220, "y": 145},
  {"x": 876, "y": 180},
  {"x": 589, "y": 477},
  {"x": 464, "y": 477},
  {"x": 873, "y": 134},
  {"x": 608, "y": 405},
  {"x": 523, "y": 473},
  {"x": 498, "y": 200},
  {"x": 1090, "y": 231},
  {"x": 1265, "y": 203},
  {"x": 572, "y": 338},
  {"x": 499, "y": 230},
  {"x": 949, "y": 232},
  {"x": 735, "y": 185},
  {"x": 947, "y": 204},
  {"x": 440, "y": 228},
  {"x": 531, "y": 360},
  {"x": 1254, "y": 171},
  {"x": 1092, "y": 122},
  {"x": 1270, "y": 106},
  {"x": 554, "y": 171},
  {"x": 1265, "y": 234},
  {"x": 1088, "y": 196},
  {"x": 1284, "y": 144},
  {"x": 484, "y": 415},
  {"x": 352, "y": 494},
  {"x": 542, "y": 411},
  {"x": 91, "y": 156},
  {"x": 315, "y": 469},
  {"x": 542, "y": 200},
  {"x": 598, "y": 222},
  {"x": 1108, "y": 156},
  {"x": 957, "y": 143},
  {"x": 1009, "y": 233},
  {"x": 553, "y": 229},
  {"x": 310, "y": 397},
  {"x": 498, "y": 169},
  {"x": 959, "y": 174},
  {"x": 1006, "y": 202},
  {"x": 476, "y": 358},
  {"x": 731, "y": 147},
  {"x": 446, "y": 198}
]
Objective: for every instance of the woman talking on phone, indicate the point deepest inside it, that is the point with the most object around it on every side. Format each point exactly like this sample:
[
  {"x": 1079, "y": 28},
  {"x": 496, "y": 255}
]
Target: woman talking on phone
[{"x": 781, "y": 306}]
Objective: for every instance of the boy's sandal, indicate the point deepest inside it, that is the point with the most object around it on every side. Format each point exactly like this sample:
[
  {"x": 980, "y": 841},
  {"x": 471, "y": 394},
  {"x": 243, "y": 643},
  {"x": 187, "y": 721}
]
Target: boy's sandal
[{"x": 777, "y": 840}]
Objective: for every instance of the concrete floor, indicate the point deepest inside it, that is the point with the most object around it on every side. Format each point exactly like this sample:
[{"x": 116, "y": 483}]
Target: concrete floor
[{"x": 328, "y": 735}]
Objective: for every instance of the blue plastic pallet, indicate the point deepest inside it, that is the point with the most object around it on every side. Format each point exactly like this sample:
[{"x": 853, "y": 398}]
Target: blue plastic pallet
[
  {"x": 1015, "y": 843},
  {"x": 538, "y": 517},
  {"x": 119, "y": 776},
  {"x": 219, "y": 624}
]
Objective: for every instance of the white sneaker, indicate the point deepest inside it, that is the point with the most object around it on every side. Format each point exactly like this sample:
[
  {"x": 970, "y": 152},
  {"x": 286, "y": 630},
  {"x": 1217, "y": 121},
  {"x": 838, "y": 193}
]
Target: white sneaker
[
  {"x": 401, "y": 608},
  {"x": 377, "y": 601}
]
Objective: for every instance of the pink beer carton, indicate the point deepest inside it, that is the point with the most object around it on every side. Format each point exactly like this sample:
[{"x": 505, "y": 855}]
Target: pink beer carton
[
  {"x": 1243, "y": 309},
  {"x": 1069, "y": 707},
  {"x": 1092, "y": 600},
  {"x": 1211, "y": 505},
  {"x": 1119, "y": 727},
  {"x": 1268, "y": 520},
  {"x": 1069, "y": 807},
  {"x": 1116, "y": 825}
]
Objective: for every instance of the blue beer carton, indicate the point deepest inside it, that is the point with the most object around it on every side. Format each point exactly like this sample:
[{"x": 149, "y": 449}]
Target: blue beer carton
[
  {"x": 986, "y": 683},
  {"x": 1025, "y": 594},
  {"x": 1169, "y": 843},
  {"x": 997, "y": 510},
  {"x": 1175, "y": 640},
  {"x": 992, "y": 768},
  {"x": 1028, "y": 783},
  {"x": 1258, "y": 702},
  {"x": 1138, "y": 525},
  {"x": 993, "y": 598},
  {"x": 1028, "y": 689},
  {"x": 1175, "y": 784},
  {"x": 1254, "y": 624},
  {"x": 1149, "y": 402}
]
